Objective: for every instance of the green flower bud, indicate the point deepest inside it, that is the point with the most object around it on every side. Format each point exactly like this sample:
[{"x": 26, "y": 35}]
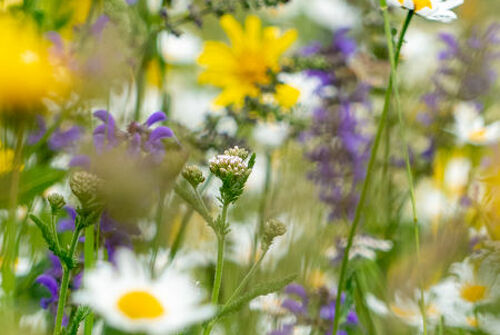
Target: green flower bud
[
  {"x": 272, "y": 229},
  {"x": 85, "y": 186},
  {"x": 56, "y": 201},
  {"x": 193, "y": 175}
]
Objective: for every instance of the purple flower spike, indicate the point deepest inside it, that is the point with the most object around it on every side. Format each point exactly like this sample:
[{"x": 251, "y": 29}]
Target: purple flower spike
[
  {"x": 107, "y": 129},
  {"x": 154, "y": 118},
  {"x": 50, "y": 283}
]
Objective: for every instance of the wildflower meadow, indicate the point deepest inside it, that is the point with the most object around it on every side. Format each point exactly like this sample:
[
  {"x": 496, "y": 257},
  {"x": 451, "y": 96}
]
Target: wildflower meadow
[{"x": 249, "y": 167}]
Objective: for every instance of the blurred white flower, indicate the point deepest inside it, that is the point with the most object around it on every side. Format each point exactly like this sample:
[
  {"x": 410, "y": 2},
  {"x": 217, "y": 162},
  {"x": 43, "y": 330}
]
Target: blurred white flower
[
  {"x": 470, "y": 127},
  {"x": 130, "y": 300},
  {"x": 181, "y": 49},
  {"x": 332, "y": 14},
  {"x": 35, "y": 323},
  {"x": 270, "y": 134},
  {"x": 436, "y": 10},
  {"x": 363, "y": 246}
]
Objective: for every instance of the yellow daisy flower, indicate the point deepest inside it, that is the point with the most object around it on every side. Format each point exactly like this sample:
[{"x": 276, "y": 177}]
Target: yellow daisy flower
[
  {"x": 27, "y": 72},
  {"x": 242, "y": 67}
]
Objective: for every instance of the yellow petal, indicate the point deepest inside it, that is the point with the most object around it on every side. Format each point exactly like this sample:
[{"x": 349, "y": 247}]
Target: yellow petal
[
  {"x": 233, "y": 30},
  {"x": 286, "y": 95},
  {"x": 253, "y": 30}
]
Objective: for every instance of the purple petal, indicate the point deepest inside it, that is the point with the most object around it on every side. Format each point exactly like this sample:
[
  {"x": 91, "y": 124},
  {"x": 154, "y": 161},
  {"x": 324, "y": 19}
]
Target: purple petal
[
  {"x": 154, "y": 118},
  {"x": 159, "y": 133},
  {"x": 80, "y": 161},
  {"x": 296, "y": 289},
  {"x": 99, "y": 24},
  {"x": 63, "y": 139},
  {"x": 50, "y": 283}
]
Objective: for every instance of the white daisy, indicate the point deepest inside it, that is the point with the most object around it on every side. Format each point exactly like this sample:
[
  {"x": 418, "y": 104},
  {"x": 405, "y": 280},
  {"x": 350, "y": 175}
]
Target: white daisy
[
  {"x": 130, "y": 300},
  {"x": 183, "y": 49},
  {"x": 470, "y": 127},
  {"x": 436, "y": 10}
]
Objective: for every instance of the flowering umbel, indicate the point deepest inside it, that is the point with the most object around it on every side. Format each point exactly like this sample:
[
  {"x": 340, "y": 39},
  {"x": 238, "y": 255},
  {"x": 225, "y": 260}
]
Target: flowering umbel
[{"x": 233, "y": 171}]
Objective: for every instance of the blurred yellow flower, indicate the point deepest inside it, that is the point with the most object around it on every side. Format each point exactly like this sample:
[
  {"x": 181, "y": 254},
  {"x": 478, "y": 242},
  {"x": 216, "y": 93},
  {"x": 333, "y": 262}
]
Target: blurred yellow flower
[
  {"x": 6, "y": 159},
  {"x": 27, "y": 72},
  {"x": 240, "y": 69}
]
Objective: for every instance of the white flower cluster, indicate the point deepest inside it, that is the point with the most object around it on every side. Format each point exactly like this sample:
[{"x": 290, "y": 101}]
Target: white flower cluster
[{"x": 226, "y": 165}]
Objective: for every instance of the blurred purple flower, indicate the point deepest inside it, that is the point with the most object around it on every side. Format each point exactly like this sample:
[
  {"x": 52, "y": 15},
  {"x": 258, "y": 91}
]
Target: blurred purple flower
[{"x": 336, "y": 140}]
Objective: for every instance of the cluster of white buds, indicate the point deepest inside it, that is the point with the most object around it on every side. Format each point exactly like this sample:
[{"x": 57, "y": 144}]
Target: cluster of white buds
[
  {"x": 228, "y": 165},
  {"x": 233, "y": 169},
  {"x": 238, "y": 152}
]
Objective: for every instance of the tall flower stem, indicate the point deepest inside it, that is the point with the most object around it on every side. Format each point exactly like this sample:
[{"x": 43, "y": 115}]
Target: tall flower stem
[
  {"x": 402, "y": 128},
  {"x": 63, "y": 290},
  {"x": 373, "y": 156}
]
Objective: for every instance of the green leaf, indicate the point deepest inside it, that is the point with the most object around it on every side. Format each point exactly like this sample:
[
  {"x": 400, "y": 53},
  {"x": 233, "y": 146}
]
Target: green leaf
[
  {"x": 80, "y": 314},
  {"x": 32, "y": 182},
  {"x": 258, "y": 290}
]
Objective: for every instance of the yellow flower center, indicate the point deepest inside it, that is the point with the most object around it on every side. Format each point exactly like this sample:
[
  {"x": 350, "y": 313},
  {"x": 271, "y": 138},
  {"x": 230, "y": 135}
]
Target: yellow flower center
[
  {"x": 419, "y": 4},
  {"x": 478, "y": 135},
  {"x": 252, "y": 68},
  {"x": 473, "y": 293},
  {"x": 472, "y": 321},
  {"x": 140, "y": 305}
]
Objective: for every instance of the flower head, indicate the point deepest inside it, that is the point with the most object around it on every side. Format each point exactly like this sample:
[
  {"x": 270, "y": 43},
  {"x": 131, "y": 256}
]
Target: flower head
[
  {"x": 244, "y": 67},
  {"x": 129, "y": 299},
  {"x": 470, "y": 127},
  {"x": 27, "y": 72},
  {"x": 437, "y": 10}
]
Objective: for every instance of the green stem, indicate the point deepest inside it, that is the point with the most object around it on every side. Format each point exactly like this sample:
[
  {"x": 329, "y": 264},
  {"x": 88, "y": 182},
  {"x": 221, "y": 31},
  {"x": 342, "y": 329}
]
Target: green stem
[
  {"x": 63, "y": 290},
  {"x": 245, "y": 280},
  {"x": 88, "y": 259},
  {"x": 370, "y": 168},
  {"x": 402, "y": 127},
  {"x": 221, "y": 239},
  {"x": 9, "y": 242},
  {"x": 158, "y": 222}
]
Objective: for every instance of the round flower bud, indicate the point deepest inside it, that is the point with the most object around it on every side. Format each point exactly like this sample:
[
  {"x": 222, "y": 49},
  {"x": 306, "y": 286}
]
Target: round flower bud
[
  {"x": 272, "y": 229},
  {"x": 56, "y": 201},
  {"x": 85, "y": 186},
  {"x": 193, "y": 175}
]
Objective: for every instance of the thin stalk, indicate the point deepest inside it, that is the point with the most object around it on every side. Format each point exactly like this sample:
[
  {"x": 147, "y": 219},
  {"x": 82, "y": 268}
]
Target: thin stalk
[
  {"x": 245, "y": 280},
  {"x": 185, "y": 220},
  {"x": 63, "y": 290},
  {"x": 88, "y": 260},
  {"x": 402, "y": 128},
  {"x": 9, "y": 242},
  {"x": 369, "y": 173},
  {"x": 158, "y": 222}
]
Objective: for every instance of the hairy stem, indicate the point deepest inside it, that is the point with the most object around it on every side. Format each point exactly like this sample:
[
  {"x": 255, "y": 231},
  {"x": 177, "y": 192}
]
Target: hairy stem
[
  {"x": 221, "y": 239},
  {"x": 63, "y": 290}
]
